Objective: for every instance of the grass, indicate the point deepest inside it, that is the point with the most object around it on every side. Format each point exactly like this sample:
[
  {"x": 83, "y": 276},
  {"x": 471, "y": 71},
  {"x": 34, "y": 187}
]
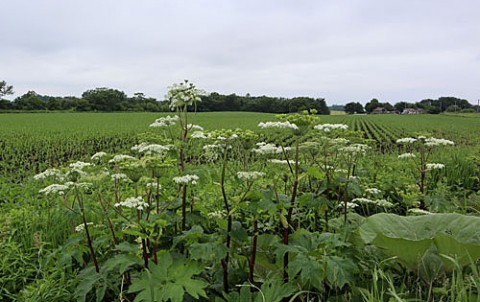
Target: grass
[{"x": 38, "y": 123}]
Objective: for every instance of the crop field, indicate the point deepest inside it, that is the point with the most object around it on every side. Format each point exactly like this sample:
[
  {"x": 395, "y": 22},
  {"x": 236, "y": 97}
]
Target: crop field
[{"x": 237, "y": 206}]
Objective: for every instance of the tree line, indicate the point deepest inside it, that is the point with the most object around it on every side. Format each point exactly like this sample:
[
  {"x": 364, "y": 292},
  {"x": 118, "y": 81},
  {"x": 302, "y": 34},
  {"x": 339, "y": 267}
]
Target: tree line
[
  {"x": 432, "y": 106},
  {"x": 111, "y": 100}
]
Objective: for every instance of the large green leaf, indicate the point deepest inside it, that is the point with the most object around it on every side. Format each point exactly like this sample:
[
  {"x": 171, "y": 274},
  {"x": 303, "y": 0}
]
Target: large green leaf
[
  {"x": 271, "y": 291},
  {"x": 168, "y": 281},
  {"x": 409, "y": 238}
]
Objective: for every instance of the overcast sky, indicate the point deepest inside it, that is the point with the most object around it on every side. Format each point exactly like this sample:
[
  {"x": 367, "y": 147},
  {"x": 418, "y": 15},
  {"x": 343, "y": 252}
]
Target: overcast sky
[{"x": 349, "y": 50}]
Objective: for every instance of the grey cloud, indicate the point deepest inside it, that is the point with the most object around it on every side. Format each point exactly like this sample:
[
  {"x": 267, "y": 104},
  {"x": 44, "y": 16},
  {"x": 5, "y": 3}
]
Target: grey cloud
[{"x": 341, "y": 50}]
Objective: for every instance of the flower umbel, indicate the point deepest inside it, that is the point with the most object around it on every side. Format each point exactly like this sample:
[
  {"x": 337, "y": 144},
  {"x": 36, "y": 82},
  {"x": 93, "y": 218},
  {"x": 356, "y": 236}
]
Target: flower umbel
[
  {"x": 183, "y": 94},
  {"x": 407, "y": 155},
  {"x": 165, "y": 121},
  {"x": 282, "y": 125},
  {"x": 250, "y": 175},
  {"x": 133, "y": 203},
  {"x": 54, "y": 189},
  {"x": 186, "y": 179},
  {"x": 330, "y": 127}
]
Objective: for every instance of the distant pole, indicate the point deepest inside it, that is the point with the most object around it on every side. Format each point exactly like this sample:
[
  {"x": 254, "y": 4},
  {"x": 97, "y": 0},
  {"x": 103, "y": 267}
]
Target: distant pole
[{"x": 478, "y": 105}]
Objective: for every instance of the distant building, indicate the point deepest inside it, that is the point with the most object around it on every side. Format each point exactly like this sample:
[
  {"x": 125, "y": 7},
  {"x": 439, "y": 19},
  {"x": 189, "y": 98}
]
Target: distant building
[
  {"x": 379, "y": 110},
  {"x": 413, "y": 111}
]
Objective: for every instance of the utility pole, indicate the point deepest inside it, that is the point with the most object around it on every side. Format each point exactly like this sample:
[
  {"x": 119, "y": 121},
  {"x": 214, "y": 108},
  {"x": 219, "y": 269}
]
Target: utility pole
[{"x": 478, "y": 105}]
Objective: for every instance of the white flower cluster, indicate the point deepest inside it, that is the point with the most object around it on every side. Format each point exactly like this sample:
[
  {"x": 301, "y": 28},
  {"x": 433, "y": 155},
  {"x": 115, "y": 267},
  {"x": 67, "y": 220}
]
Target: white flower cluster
[
  {"x": 406, "y": 140},
  {"x": 55, "y": 173},
  {"x": 154, "y": 185},
  {"x": 250, "y": 175},
  {"x": 373, "y": 191},
  {"x": 264, "y": 148},
  {"x": 186, "y": 179},
  {"x": 350, "y": 205},
  {"x": 54, "y": 189},
  {"x": 435, "y": 166},
  {"x": 282, "y": 125},
  {"x": 199, "y": 134},
  {"x": 281, "y": 161},
  {"x": 406, "y": 155},
  {"x": 379, "y": 202},
  {"x": 79, "y": 165},
  {"x": 183, "y": 94},
  {"x": 355, "y": 148},
  {"x": 431, "y": 142},
  {"x": 194, "y": 127},
  {"x": 165, "y": 121},
  {"x": 133, "y": 203},
  {"x": 121, "y": 157},
  {"x": 117, "y": 177},
  {"x": 98, "y": 155},
  {"x": 339, "y": 141},
  {"x": 214, "y": 147},
  {"x": 150, "y": 148},
  {"x": 330, "y": 127},
  {"x": 81, "y": 227},
  {"x": 418, "y": 211}
]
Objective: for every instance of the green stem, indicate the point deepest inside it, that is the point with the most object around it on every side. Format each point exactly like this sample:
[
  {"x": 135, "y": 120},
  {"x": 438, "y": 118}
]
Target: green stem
[{"x": 87, "y": 233}]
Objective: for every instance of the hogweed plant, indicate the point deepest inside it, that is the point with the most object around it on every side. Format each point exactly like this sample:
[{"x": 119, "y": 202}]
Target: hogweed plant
[
  {"x": 419, "y": 150},
  {"x": 227, "y": 214}
]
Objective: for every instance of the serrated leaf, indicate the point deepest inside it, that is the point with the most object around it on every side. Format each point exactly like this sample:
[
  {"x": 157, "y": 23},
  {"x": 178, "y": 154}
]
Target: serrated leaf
[
  {"x": 339, "y": 271},
  {"x": 209, "y": 251},
  {"x": 168, "y": 281},
  {"x": 275, "y": 291},
  {"x": 88, "y": 278}
]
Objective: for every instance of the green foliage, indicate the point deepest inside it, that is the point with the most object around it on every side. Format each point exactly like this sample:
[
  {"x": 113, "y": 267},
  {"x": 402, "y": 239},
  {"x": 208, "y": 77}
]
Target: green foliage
[
  {"x": 233, "y": 102},
  {"x": 222, "y": 237},
  {"x": 5, "y": 89},
  {"x": 418, "y": 241},
  {"x": 353, "y": 107},
  {"x": 169, "y": 280},
  {"x": 319, "y": 258},
  {"x": 271, "y": 290}
]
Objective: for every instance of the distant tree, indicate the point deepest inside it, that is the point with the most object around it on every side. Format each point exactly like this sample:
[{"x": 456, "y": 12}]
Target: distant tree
[
  {"x": 443, "y": 103},
  {"x": 105, "y": 99},
  {"x": 400, "y": 106},
  {"x": 374, "y": 103},
  {"x": 5, "y": 89},
  {"x": 354, "y": 107},
  {"x": 30, "y": 101},
  {"x": 5, "y": 104},
  {"x": 432, "y": 109},
  {"x": 387, "y": 106},
  {"x": 453, "y": 108}
]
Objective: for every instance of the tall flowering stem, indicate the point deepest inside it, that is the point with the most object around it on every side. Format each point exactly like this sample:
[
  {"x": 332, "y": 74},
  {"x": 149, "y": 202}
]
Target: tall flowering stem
[
  {"x": 110, "y": 224},
  {"x": 229, "y": 223},
  {"x": 299, "y": 124},
  {"x": 87, "y": 233},
  {"x": 286, "y": 228},
  {"x": 425, "y": 147},
  {"x": 253, "y": 255},
  {"x": 181, "y": 96}
]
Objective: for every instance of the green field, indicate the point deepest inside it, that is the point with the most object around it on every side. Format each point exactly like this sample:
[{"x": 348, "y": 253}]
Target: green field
[{"x": 299, "y": 213}]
